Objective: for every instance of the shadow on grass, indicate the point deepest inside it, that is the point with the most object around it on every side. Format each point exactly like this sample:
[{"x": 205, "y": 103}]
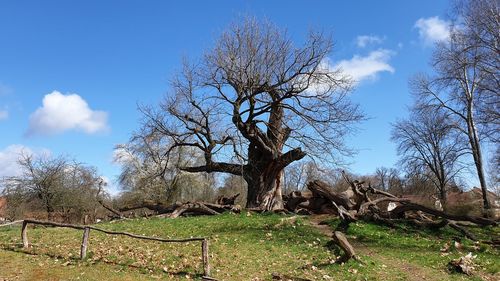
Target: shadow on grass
[{"x": 18, "y": 248}]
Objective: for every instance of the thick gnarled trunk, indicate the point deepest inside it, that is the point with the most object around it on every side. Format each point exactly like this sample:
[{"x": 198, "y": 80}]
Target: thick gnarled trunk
[{"x": 265, "y": 187}]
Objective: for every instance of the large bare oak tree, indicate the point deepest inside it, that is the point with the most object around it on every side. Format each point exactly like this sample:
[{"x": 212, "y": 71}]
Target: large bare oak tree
[{"x": 254, "y": 104}]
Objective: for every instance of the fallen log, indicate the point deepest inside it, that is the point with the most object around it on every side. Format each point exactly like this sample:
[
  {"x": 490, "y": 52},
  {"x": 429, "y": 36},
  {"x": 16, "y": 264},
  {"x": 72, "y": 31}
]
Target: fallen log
[
  {"x": 11, "y": 223},
  {"x": 115, "y": 212},
  {"x": 197, "y": 208},
  {"x": 177, "y": 209},
  {"x": 227, "y": 200},
  {"x": 408, "y": 206},
  {"x": 341, "y": 240},
  {"x": 464, "y": 231},
  {"x": 348, "y": 199},
  {"x": 295, "y": 198},
  {"x": 222, "y": 208},
  {"x": 158, "y": 207}
]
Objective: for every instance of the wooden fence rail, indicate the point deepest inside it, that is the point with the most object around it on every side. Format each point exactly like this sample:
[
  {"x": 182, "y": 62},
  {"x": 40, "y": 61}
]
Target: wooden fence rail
[{"x": 86, "y": 231}]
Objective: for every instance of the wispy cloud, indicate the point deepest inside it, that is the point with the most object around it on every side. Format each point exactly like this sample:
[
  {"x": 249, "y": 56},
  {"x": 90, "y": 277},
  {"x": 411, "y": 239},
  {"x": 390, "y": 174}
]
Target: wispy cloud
[
  {"x": 61, "y": 112},
  {"x": 432, "y": 30},
  {"x": 368, "y": 67},
  {"x": 365, "y": 40}
]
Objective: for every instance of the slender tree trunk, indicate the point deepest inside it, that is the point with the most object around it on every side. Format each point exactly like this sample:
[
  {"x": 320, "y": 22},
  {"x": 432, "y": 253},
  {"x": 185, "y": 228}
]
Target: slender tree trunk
[
  {"x": 442, "y": 196},
  {"x": 50, "y": 210},
  {"x": 476, "y": 154}
]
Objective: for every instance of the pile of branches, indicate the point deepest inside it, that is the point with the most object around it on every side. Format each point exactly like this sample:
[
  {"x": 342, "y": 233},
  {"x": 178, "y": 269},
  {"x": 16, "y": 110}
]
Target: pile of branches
[
  {"x": 361, "y": 202},
  {"x": 223, "y": 204}
]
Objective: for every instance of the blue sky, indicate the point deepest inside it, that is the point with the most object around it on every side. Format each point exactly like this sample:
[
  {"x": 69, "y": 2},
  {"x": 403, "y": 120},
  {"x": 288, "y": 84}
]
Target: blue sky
[{"x": 113, "y": 55}]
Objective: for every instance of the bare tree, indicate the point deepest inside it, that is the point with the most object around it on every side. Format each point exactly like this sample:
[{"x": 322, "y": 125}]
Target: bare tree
[
  {"x": 478, "y": 22},
  {"x": 298, "y": 174},
  {"x": 41, "y": 178},
  {"x": 388, "y": 179},
  {"x": 466, "y": 82},
  {"x": 428, "y": 145},
  {"x": 144, "y": 169},
  {"x": 254, "y": 104},
  {"x": 57, "y": 184},
  {"x": 147, "y": 172},
  {"x": 382, "y": 177}
]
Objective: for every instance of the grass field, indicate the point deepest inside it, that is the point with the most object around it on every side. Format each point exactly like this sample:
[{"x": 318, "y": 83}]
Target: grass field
[{"x": 242, "y": 247}]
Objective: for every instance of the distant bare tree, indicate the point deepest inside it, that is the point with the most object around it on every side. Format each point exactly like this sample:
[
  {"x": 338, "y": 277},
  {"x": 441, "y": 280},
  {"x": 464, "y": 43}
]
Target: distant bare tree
[
  {"x": 147, "y": 172},
  {"x": 382, "y": 177},
  {"x": 255, "y": 104},
  {"x": 428, "y": 145},
  {"x": 58, "y": 184},
  {"x": 298, "y": 174},
  {"x": 388, "y": 179},
  {"x": 42, "y": 177}
]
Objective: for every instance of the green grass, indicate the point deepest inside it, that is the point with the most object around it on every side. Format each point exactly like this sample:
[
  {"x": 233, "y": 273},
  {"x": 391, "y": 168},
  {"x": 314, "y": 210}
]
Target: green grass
[
  {"x": 242, "y": 247},
  {"x": 408, "y": 245}
]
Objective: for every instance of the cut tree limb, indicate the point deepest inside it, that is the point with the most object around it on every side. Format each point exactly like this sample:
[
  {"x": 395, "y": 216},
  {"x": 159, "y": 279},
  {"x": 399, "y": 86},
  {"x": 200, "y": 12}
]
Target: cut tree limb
[
  {"x": 192, "y": 207},
  {"x": 341, "y": 240}
]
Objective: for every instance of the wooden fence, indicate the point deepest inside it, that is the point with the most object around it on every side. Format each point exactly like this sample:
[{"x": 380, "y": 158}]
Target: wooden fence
[{"x": 85, "y": 239}]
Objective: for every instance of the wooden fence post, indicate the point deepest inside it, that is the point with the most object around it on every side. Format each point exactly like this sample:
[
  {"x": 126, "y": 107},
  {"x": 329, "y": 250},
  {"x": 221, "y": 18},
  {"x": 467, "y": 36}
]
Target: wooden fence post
[
  {"x": 204, "y": 250},
  {"x": 85, "y": 240},
  {"x": 24, "y": 234}
]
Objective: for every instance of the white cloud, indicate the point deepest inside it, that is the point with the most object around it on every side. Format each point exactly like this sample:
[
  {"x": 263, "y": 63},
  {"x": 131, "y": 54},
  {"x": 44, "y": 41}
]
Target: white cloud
[
  {"x": 367, "y": 67},
  {"x": 432, "y": 30},
  {"x": 66, "y": 112},
  {"x": 365, "y": 40},
  {"x": 4, "y": 114},
  {"x": 9, "y": 158}
]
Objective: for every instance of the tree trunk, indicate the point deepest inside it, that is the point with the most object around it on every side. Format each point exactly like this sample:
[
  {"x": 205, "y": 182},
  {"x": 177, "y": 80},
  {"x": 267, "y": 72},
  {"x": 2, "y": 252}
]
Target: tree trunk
[
  {"x": 50, "y": 210},
  {"x": 442, "y": 196},
  {"x": 478, "y": 161},
  {"x": 265, "y": 182}
]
